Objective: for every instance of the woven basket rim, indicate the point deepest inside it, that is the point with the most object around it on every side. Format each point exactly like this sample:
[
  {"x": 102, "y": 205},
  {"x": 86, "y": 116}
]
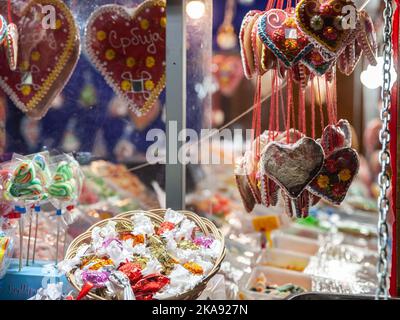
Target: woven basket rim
[{"x": 156, "y": 215}]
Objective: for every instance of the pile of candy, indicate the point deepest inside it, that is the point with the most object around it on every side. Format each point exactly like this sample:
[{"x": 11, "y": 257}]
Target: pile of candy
[
  {"x": 144, "y": 261},
  {"x": 262, "y": 286}
]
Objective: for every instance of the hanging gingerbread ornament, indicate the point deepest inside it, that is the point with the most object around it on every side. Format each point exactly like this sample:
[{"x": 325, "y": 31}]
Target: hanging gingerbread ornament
[
  {"x": 45, "y": 59},
  {"x": 127, "y": 46}
]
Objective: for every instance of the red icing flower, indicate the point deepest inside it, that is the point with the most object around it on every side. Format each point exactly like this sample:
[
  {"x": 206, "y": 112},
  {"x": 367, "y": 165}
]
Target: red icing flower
[
  {"x": 330, "y": 33},
  {"x": 338, "y": 190},
  {"x": 331, "y": 165}
]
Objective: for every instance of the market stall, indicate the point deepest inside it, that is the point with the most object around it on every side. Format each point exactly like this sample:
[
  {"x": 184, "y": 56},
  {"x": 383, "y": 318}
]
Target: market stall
[{"x": 198, "y": 149}]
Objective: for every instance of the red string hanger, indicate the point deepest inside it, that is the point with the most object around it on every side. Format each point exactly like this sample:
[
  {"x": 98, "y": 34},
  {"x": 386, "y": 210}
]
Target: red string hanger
[{"x": 9, "y": 11}]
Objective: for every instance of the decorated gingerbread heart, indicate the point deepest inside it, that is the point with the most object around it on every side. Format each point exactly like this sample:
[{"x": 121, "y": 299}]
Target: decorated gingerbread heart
[
  {"x": 128, "y": 48},
  {"x": 349, "y": 58},
  {"x": 242, "y": 184},
  {"x": 279, "y": 32},
  {"x": 11, "y": 46},
  {"x": 228, "y": 72},
  {"x": 366, "y": 37},
  {"x": 46, "y": 57},
  {"x": 323, "y": 22},
  {"x": 246, "y": 47},
  {"x": 292, "y": 166},
  {"x": 345, "y": 126},
  {"x": 333, "y": 138},
  {"x": 336, "y": 176}
]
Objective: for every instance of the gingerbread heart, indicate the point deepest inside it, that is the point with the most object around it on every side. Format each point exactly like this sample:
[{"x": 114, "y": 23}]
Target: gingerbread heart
[
  {"x": 349, "y": 58},
  {"x": 293, "y": 166},
  {"x": 366, "y": 37},
  {"x": 46, "y": 58},
  {"x": 246, "y": 47},
  {"x": 336, "y": 176},
  {"x": 345, "y": 126},
  {"x": 279, "y": 32},
  {"x": 11, "y": 46},
  {"x": 246, "y": 193},
  {"x": 228, "y": 72},
  {"x": 323, "y": 22},
  {"x": 263, "y": 58},
  {"x": 333, "y": 138},
  {"x": 128, "y": 48}
]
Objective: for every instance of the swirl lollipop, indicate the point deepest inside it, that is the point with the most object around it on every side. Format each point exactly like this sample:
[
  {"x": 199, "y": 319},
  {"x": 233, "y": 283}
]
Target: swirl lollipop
[
  {"x": 62, "y": 191},
  {"x": 24, "y": 187},
  {"x": 40, "y": 161}
]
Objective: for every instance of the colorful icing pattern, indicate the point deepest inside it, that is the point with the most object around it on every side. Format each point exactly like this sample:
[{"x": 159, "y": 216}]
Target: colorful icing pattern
[{"x": 130, "y": 52}]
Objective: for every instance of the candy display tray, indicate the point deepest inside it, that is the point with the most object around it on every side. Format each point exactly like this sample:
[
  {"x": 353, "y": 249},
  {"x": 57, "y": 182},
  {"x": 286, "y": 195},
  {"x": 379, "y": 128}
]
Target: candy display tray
[
  {"x": 283, "y": 259},
  {"x": 275, "y": 276}
]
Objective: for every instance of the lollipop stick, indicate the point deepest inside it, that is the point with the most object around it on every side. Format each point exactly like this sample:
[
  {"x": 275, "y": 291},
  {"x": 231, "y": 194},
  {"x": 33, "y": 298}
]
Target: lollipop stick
[
  {"x": 37, "y": 210},
  {"x": 21, "y": 234},
  {"x": 29, "y": 239},
  {"x": 58, "y": 234},
  {"x": 65, "y": 241}
]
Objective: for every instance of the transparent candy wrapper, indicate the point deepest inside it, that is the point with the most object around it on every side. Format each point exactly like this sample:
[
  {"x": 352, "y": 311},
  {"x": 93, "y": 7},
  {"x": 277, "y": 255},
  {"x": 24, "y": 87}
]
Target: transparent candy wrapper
[{"x": 7, "y": 243}]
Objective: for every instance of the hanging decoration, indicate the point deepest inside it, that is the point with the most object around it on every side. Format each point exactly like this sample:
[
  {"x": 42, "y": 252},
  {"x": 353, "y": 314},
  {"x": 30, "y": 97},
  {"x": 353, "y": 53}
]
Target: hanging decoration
[
  {"x": 46, "y": 57},
  {"x": 226, "y": 36},
  {"x": 127, "y": 46},
  {"x": 228, "y": 73},
  {"x": 301, "y": 44}
]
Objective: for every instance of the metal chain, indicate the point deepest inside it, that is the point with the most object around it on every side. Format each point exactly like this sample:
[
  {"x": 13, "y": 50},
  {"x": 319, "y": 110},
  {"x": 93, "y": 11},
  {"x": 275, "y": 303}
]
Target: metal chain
[{"x": 384, "y": 156}]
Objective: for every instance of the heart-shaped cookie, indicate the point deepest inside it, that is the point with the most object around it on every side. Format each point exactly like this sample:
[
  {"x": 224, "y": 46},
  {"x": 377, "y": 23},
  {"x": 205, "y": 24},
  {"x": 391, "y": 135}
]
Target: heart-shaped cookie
[
  {"x": 333, "y": 138},
  {"x": 246, "y": 47},
  {"x": 11, "y": 46},
  {"x": 349, "y": 58},
  {"x": 366, "y": 37},
  {"x": 279, "y": 32},
  {"x": 336, "y": 176},
  {"x": 264, "y": 59},
  {"x": 46, "y": 57},
  {"x": 242, "y": 182},
  {"x": 323, "y": 21},
  {"x": 345, "y": 126},
  {"x": 228, "y": 72},
  {"x": 293, "y": 166},
  {"x": 128, "y": 48}
]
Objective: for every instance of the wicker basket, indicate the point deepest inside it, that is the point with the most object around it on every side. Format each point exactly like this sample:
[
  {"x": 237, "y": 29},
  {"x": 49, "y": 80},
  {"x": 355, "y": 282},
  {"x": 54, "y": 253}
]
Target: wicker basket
[{"x": 157, "y": 216}]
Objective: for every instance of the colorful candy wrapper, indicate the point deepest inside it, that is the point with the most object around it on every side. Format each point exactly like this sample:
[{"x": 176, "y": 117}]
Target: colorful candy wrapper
[{"x": 6, "y": 250}]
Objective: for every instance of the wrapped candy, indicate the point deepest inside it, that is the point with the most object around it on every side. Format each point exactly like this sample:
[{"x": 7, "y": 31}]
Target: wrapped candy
[
  {"x": 132, "y": 270},
  {"x": 142, "y": 225},
  {"x": 141, "y": 264},
  {"x": 6, "y": 249},
  {"x": 97, "y": 278},
  {"x": 145, "y": 288},
  {"x": 120, "y": 285}
]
